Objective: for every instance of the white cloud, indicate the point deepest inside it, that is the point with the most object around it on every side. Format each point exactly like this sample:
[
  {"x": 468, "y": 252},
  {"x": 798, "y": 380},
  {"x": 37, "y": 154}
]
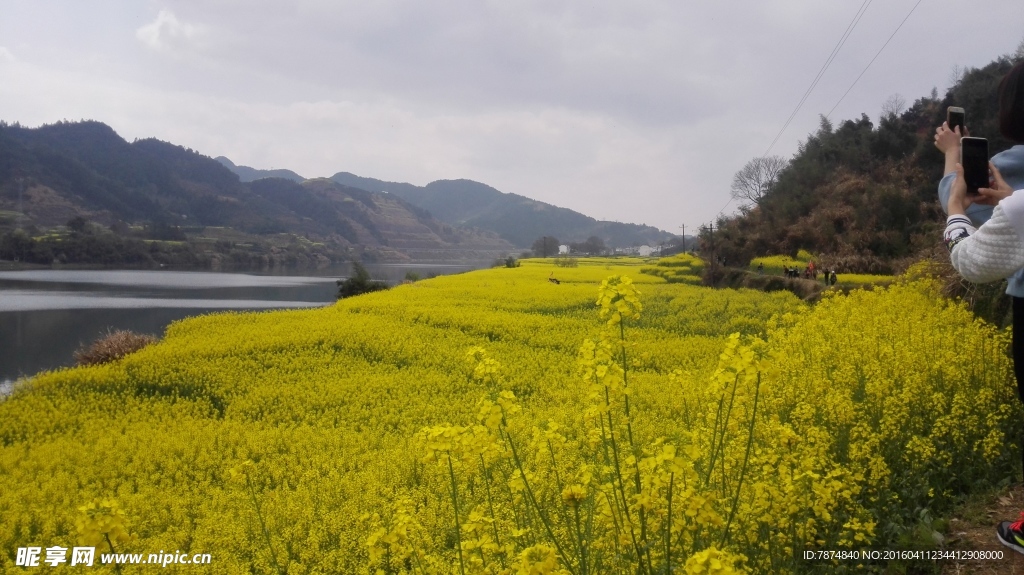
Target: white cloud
[
  {"x": 167, "y": 32},
  {"x": 6, "y": 56}
]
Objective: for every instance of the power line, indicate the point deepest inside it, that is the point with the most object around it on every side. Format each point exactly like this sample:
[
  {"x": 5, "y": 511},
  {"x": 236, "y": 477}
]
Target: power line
[
  {"x": 814, "y": 83},
  {"x": 873, "y": 59},
  {"x": 835, "y": 52},
  {"x": 725, "y": 206}
]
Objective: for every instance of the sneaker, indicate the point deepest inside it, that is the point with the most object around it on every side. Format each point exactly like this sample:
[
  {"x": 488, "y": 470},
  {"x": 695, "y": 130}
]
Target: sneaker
[{"x": 1012, "y": 534}]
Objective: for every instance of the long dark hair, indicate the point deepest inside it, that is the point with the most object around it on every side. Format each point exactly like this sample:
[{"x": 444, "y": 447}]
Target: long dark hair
[{"x": 1011, "y": 104}]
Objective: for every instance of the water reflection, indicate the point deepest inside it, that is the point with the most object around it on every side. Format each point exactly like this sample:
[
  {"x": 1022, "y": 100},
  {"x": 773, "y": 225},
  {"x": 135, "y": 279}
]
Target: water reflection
[
  {"x": 157, "y": 279},
  {"x": 25, "y": 300},
  {"x": 46, "y": 315}
]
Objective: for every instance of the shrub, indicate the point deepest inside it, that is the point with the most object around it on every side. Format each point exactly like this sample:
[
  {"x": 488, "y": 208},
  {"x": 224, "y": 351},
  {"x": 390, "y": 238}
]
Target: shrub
[
  {"x": 567, "y": 262},
  {"x": 112, "y": 346},
  {"x": 359, "y": 283}
]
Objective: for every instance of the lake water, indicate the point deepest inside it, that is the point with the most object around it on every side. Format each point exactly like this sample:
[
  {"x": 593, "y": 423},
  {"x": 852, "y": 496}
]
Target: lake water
[{"x": 46, "y": 315}]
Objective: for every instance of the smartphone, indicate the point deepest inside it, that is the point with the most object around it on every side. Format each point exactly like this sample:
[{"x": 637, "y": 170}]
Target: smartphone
[
  {"x": 955, "y": 117},
  {"x": 974, "y": 159}
]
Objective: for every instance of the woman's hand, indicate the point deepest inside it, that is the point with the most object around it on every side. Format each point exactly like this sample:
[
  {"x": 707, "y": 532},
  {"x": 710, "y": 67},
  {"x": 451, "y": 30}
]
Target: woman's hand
[
  {"x": 947, "y": 140},
  {"x": 959, "y": 200},
  {"x": 998, "y": 189}
]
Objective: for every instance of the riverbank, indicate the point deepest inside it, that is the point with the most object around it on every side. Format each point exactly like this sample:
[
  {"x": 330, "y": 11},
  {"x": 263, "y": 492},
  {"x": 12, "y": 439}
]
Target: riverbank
[{"x": 48, "y": 312}]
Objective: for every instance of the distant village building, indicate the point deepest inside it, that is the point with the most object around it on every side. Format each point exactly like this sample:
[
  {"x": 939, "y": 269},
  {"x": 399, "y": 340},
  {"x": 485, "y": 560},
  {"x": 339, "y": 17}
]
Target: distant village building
[{"x": 643, "y": 251}]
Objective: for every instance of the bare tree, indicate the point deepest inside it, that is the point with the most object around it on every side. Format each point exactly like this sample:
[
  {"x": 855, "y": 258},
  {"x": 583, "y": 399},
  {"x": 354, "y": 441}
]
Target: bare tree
[
  {"x": 893, "y": 105},
  {"x": 1018, "y": 54},
  {"x": 757, "y": 178},
  {"x": 956, "y": 74}
]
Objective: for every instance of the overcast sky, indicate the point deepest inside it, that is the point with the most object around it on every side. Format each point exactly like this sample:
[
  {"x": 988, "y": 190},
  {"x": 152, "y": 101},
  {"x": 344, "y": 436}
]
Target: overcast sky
[{"x": 637, "y": 111}]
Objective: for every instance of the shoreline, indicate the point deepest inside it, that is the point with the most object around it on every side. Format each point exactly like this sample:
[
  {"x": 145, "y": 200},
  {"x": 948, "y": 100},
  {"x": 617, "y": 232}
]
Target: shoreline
[{"x": 8, "y": 265}]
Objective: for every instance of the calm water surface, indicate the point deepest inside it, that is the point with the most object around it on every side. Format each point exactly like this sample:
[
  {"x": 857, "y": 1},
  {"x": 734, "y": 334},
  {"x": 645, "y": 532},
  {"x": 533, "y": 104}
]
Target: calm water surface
[{"x": 45, "y": 315}]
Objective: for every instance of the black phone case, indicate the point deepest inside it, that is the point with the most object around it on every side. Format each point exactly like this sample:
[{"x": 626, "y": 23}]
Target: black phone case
[{"x": 974, "y": 159}]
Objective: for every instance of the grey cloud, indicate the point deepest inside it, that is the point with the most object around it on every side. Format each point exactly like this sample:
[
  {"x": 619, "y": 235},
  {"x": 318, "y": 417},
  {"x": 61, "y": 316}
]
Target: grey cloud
[
  {"x": 468, "y": 56},
  {"x": 637, "y": 111}
]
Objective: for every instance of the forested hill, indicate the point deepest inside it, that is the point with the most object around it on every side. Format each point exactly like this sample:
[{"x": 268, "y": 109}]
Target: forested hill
[
  {"x": 247, "y": 174},
  {"x": 124, "y": 196},
  {"x": 864, "y": 196},
  {"x": 515, "y": 218}
]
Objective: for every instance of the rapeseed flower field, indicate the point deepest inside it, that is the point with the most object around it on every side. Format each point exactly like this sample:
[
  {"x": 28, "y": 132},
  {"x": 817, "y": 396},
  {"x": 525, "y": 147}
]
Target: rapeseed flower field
[
  {"x": 497, "y": 422},
  {"x": 679, "y": 268},
  {"x": 774, "y": 265}
]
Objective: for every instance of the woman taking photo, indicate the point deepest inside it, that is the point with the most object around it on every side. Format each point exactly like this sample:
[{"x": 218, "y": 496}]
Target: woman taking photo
[{"x": 985, "y": 232}]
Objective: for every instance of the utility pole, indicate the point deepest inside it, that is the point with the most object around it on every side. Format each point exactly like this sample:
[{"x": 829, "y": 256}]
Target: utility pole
[
  {"x": 711, "y": 242},
  {"x": 683, "y": 227}
]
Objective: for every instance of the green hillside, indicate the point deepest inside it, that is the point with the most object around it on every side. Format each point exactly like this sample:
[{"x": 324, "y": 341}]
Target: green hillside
[
  {"x": 862, "y": 195},
  {"x": 76, "y": 192},
  {"x": 247, "y": 174},
  {"x": 517, "y": 219}
]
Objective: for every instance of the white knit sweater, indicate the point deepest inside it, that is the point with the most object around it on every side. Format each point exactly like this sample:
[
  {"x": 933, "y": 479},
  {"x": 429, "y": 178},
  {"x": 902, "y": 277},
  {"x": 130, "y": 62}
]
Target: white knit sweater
[{"x": 993, "y": 251}]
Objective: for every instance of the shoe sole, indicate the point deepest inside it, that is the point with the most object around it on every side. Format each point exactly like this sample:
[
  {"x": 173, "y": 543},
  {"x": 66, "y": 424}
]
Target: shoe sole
[{"x": 1012, "y": 545}]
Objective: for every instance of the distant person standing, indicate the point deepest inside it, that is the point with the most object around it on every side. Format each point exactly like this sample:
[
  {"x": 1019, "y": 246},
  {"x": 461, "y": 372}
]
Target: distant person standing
[
  {"x": 832, "y": 277},
  {"x": 760, "y": 269}
]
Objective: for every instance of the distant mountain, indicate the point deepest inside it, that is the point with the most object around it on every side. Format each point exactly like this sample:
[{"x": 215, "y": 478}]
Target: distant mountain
[
  {"x": 52, "y": 174},
  {"x": 515, "y": 218},
  {"x": 247, "y": 174}
]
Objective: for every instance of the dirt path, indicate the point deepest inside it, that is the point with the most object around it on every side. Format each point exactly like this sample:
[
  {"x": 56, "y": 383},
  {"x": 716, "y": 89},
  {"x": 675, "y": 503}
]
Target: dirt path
[{"x": 973, "y": 528}]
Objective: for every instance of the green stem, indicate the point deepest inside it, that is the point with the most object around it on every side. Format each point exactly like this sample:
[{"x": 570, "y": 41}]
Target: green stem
[
  {"x": 579, "y": 541},
  {"x": 560, "y": 487},
  {"x": 590, "y": 527},
  {"x": 618, "y": 479},
  {"x": 721, "y": 440},
  {"x": 668, "y": 526},
  {"x": 714, "y": 441},
  {"x": 746, "y": 458},
  {"x": 625, "y": 382},
  {"x": 618, "y": 522},
  {"x": 110, "y": 543},
  {"x": 521, "y": 522},
  {"x": 632, "y": 445},
  {"x": 117, "y": 566},
  {"x": 536, "y": 506},
  {"x": 455, "y": 504},
  {"x": 490, "y": 504},
  {"x": 263, "y": 525}
]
